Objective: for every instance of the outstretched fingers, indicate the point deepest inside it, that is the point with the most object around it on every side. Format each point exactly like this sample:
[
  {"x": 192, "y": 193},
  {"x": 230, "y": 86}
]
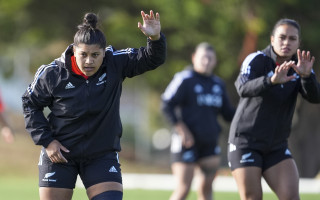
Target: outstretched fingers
[
  {"x": 150, "y": 16},
  {"x": 305, "y": 56}
]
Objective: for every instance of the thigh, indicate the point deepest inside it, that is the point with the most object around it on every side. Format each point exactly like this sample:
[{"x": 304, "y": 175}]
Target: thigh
[
  {"x": 246, "y": 166},
  {"x": 275, "y": 156},
  {"x": 283, "y": 179},
  {"x": 248, "y": 180},
  {"x": 209, "y": 165},
  {"x": 105, "y": 168},
  {"x": 179, "y": 153},
  {"x": 56, "y": 175},
  {"x": 208, "y": 157},
  {"x": 99, "y": 188},
  {"x": 49, "y": 193},
  {"x": 207, "y": 170},
  {"x": 183, "y": 172},
  {"x": 239, "y": 158}
]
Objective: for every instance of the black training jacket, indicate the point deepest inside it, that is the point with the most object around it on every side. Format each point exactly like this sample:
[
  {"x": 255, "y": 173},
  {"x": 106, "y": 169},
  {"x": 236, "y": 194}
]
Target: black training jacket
[
  {"x": 84, "y": 114},
  {"x": 200, "y": 100},
  {"x": 265, "y": 111}
]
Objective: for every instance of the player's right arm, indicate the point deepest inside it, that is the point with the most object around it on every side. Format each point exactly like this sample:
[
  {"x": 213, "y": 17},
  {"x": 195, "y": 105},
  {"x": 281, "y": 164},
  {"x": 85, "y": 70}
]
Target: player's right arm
[{"x": 36, "y": 97}]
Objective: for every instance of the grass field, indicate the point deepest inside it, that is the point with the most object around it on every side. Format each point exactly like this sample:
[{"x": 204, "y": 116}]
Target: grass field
[
  {"x": 17, "y": 188},
  {"x": 19, "y": 176}
]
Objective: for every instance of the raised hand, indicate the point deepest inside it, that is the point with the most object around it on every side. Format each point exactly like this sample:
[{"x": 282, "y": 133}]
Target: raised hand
[
  {"x": 305, "y": 63},
  {"x": 281, "y": 73},
  {"x": 151, "y": 25}
]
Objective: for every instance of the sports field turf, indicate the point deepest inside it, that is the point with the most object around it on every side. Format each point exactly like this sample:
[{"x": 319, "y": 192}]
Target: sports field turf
[
  {"x": 19, "y": 177},
  {"x": 17, "y": 188}
]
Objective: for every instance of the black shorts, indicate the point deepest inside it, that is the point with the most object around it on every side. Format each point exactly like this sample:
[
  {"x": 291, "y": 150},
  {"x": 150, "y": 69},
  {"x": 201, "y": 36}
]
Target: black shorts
[
  {"x": 238, "y": 158},
  {"x": 191, "y": 155},
  {"x": 105, "y": 168}
]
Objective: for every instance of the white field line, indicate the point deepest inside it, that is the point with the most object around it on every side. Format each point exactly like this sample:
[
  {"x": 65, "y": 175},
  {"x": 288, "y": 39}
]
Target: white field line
[{"x": 221, "y": 183}]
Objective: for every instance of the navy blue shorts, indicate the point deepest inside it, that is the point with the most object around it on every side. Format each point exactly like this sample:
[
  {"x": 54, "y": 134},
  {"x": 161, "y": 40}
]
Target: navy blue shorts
[
  {"x": 191, "y": 155},
  {"x": 105, "y": 168},
  {"x": 238, "y": 158}
]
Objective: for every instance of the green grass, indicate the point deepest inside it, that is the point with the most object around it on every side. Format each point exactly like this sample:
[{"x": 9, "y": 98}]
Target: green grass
[
  {"x": 19, "y": 176},
  {"x": 26, "y": 188}
]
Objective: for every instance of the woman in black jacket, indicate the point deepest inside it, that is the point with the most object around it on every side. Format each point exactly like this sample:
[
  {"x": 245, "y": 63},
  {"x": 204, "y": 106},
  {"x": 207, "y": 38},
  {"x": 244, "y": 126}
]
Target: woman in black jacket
[
  {"x": 192, "y": 103},
  {"x": 268, "y": 86},
  {"x": 82, "y": 88}
]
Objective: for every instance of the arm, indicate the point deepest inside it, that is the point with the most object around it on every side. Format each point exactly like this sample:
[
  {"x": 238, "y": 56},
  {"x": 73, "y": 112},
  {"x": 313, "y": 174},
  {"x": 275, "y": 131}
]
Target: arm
[
  {"x": 252, "y": 81},
  {"x": 35, "y": 98},
  {"x": 138, "y": 61},
  {"x": 179, "y": 126},
  {"x": 310, "y": 89},
  {"x": 6, "y": 129},
  {"x": 227, "y": 109},
  {"x": 172, "y": 98}
]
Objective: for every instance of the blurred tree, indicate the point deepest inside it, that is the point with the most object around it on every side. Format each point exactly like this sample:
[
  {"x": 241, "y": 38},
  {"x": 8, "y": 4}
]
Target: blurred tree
[{"x": 235, "y": 27}]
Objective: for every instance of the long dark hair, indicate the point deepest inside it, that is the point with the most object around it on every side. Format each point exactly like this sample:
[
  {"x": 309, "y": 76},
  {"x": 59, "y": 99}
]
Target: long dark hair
[{"x": 88, "y": 33}]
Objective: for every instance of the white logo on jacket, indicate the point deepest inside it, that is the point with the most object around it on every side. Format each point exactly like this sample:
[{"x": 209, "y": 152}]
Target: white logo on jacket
[
  {"x": 101, "y": 81},
  {"x": 69, "y": 86}
]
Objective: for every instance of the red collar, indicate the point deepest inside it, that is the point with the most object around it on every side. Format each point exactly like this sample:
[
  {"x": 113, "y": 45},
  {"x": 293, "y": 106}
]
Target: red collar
[{"x": 76, "y": 69}]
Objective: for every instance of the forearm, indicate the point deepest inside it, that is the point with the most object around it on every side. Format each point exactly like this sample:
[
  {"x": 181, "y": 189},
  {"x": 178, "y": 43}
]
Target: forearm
[
  {"x": 36, "y": 123},
  {"x": 254, "y": 87},
  {"x": 169, "y": 113},
  {"x": 157, "y": 51},
  {"x": 310, "y": 89}
]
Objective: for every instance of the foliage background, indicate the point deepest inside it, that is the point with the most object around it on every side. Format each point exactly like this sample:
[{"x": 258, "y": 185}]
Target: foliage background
[{"x": 35, "y": 32}]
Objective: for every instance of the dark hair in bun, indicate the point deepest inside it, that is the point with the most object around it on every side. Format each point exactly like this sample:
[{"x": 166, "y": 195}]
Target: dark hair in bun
[{"x": 88, "y": 33}]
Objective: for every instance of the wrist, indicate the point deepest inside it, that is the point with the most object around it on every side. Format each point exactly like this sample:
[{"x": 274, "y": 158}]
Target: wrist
[
  {"x": 155, "y": 37},
  {"x": 305, "y": 75},
  {"x": 272, "y": 80}
]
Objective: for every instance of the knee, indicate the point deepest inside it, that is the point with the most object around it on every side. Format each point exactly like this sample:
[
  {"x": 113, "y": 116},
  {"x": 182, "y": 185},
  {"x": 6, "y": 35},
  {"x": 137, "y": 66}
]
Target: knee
[
  {"x": 112, "y": 194},
  {"x": 251, "y": 195},
  {"x": 289, "y": 196},
  {"x": 184, "y": 189}
]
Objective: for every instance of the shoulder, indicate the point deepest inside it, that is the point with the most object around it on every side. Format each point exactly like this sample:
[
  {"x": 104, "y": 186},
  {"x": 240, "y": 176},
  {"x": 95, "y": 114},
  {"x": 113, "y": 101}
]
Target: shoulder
[
  {"x": 218, "y": 80},
  {"x": 176, "y": 83},
  {"x": 255, "y": 59},
  {"x": 185, "y": 74},
  {"x": 46, "y": 75},
  {"x": 48, "y": 69}
]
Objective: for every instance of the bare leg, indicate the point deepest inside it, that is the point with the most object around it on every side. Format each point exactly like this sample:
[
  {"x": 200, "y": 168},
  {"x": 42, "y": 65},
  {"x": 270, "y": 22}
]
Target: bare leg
[
  {"x": 102, "y": 187},
  {"x": 208, "y": 167},
  {"x": 248, "y": 180},
  {"x": 48, "y": 193},
  {"x": 184, "y": 174},
  {"x": 283, "y": 179}
]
